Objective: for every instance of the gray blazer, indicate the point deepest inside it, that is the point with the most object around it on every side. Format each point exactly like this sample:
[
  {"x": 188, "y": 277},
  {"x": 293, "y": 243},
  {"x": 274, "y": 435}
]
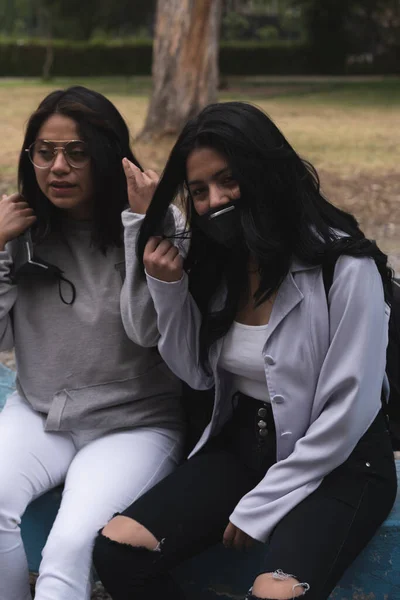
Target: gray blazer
[{"x": 324, "y": 370}]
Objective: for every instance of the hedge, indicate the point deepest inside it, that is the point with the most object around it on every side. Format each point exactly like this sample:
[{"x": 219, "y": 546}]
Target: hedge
[
  {"x": 75, "y": 59},
  {"x": 264, "y": 58},
  {"x": 26, "y": 58}
]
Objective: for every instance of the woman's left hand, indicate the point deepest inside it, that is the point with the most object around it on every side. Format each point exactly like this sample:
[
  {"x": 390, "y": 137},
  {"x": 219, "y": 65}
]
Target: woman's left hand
[{"x": 236, "y": 538}]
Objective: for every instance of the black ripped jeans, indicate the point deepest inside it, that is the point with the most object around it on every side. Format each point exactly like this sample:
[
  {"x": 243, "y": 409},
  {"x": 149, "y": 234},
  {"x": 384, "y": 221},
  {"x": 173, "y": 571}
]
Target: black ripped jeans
[{"x": 189, "y": 510}]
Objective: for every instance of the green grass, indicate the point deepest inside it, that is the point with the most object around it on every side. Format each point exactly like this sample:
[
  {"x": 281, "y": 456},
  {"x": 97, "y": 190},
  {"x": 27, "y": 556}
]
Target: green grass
[
  {"x": 105, "y": 85},
  {"x": 339, "y": 91},
  {"x": 324, "y": 91}
]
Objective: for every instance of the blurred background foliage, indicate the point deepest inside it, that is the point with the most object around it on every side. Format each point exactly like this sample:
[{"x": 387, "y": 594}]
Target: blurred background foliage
[{"x": 71, "y": 37}]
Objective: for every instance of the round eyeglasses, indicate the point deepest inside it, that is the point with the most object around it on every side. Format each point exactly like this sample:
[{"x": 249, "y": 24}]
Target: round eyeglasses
[{"x": 42, "y": 153}]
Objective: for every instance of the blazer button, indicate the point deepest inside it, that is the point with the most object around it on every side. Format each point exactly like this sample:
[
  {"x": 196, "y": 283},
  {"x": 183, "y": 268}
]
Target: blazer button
[
  {"x": 278, "y": 399},
  {"x": 262, "y": 412},
  {"x": 269, "y": 360}
]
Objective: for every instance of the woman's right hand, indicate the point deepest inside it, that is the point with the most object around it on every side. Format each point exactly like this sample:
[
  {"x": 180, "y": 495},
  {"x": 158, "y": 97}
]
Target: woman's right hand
[
  {"x": 141, "y": 186},
  {"x": 162, "y": 260},
  {"x": 16, "y": 216}
]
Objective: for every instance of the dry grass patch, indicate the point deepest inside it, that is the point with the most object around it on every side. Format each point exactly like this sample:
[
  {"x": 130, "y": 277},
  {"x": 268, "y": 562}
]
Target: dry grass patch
[
  {"x": 343, "y": 139},
  {"x": 349, "y": 131}
]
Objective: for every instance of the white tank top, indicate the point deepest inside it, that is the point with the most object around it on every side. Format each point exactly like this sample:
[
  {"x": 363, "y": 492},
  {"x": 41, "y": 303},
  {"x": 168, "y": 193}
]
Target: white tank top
[{"x": 242, "y": 355}]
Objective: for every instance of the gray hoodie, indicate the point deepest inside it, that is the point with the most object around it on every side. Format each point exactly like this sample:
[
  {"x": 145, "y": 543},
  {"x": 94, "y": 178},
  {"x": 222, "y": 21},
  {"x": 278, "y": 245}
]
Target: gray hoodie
[{"x": 78, "y": 364}]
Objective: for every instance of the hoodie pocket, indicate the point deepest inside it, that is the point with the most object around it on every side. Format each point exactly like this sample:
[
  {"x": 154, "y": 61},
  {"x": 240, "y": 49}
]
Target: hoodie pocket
[{"x": 150, "y": 398}]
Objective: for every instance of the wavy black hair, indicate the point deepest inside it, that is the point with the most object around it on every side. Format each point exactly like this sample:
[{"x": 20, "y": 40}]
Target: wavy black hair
[
  {"x": 284, "y": 214},
  {"x": 107, "y": 135}
]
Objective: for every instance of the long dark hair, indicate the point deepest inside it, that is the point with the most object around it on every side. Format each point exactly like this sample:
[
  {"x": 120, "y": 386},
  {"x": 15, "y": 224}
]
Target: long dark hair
[
  {"x": 107, "y": 135},
  {"x": 284, "y": 214}
]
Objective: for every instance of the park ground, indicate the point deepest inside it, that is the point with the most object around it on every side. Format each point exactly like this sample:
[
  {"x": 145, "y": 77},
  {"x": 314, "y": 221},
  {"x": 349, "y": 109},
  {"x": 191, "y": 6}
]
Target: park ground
[{"x": 349, "y": 128}]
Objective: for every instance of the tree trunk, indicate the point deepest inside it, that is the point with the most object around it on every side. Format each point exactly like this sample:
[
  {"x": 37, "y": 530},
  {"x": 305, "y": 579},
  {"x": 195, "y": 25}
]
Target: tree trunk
[
  {"x": 48, "y": 59},
  {"x": 46, "y": 28},
  {"x": 185, "y": 63}
]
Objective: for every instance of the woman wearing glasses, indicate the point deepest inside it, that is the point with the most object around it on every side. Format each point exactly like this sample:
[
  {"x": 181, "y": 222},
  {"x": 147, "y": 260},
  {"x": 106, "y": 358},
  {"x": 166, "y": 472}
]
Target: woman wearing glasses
[{"x": 93, "y": 409}]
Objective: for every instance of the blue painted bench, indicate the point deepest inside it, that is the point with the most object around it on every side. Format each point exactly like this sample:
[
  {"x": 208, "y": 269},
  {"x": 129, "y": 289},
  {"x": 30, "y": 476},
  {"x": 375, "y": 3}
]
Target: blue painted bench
[{"x": 221, "y": 574}]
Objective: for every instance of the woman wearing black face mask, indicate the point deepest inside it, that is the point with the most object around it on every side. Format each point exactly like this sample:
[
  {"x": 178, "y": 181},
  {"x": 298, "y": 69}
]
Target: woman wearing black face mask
[{"x": 296, "y": 452}]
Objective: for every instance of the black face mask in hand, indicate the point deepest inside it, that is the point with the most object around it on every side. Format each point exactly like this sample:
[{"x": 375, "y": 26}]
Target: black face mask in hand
[{"x": 222, "y": 224}]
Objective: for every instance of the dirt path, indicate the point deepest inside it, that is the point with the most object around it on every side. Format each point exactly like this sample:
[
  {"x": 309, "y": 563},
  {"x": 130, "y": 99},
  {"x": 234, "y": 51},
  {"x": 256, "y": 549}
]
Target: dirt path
[{"x": 375, "y": 200}]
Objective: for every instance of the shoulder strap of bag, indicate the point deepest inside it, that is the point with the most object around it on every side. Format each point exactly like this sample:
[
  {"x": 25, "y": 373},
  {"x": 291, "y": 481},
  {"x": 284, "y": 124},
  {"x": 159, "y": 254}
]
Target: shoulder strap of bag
[{"x": 393, "y": 367}]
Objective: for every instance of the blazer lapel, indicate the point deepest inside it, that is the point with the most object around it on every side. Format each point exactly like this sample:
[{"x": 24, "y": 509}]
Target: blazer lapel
[{"x": 288, "y": 297}]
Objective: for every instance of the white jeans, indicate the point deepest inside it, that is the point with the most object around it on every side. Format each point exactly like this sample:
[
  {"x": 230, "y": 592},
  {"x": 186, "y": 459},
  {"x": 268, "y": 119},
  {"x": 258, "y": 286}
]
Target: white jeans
[{"x": 103, "y": 474}]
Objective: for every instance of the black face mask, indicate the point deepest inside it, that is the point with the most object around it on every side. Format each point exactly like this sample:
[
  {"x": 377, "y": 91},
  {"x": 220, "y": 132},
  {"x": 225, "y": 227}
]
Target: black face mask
[
  {"x": 222, "y": 224},
  {"x": 26, "y": 265}
]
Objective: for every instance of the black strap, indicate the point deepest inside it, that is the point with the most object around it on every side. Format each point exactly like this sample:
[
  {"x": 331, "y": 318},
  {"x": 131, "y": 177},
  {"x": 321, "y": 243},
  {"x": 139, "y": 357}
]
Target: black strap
[
  {"x": 393, "y": 366},
  {"x": 72, "y": 287}
]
